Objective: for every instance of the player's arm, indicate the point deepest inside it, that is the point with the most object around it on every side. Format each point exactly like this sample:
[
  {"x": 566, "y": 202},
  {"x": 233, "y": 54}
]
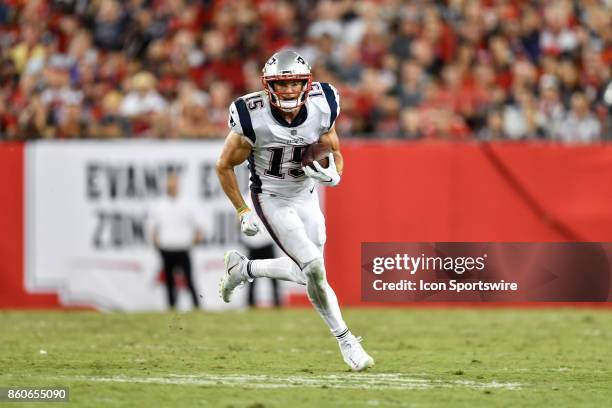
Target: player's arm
[
  {"x": 331, "y": 140},
  {"x": 235, "y": 151}
]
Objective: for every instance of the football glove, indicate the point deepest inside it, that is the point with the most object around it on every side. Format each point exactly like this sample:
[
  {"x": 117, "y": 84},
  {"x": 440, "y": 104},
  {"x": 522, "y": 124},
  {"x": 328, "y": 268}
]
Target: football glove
[
  {"x": 326, "y": 177},
  {"x": 249, "y": 222}
]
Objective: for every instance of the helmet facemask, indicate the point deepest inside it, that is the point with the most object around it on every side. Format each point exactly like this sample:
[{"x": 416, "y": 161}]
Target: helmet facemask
[{"x": 287, "y": 105}]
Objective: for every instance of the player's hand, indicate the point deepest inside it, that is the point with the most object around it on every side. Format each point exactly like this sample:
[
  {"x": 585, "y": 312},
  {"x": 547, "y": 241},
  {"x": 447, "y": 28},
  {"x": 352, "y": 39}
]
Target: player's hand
[
  {"x": 249, "y": 222},
  {"x": 325, "y": 176}
]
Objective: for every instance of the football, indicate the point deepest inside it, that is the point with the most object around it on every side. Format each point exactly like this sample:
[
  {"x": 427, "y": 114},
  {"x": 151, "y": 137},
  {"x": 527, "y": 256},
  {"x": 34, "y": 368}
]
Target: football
[{"x": 316, "y": 152}]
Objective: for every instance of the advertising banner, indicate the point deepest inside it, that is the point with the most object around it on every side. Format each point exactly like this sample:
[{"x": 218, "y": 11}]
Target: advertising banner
[{"x": 88, "y": 220}]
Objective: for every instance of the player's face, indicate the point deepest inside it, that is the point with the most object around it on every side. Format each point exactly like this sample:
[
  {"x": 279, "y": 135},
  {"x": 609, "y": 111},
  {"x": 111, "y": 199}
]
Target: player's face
[{"x": 288, "y": 90}]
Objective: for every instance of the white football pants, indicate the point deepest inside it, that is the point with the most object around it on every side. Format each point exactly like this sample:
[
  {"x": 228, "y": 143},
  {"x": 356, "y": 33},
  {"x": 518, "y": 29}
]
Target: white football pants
[{"x": 298, "y": 227}]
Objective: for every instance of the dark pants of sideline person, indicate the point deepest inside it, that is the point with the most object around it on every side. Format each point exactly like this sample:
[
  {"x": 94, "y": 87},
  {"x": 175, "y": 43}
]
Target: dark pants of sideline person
[
  {"x": 265, "y": 252},
  {"x": 173, "y": 260}
]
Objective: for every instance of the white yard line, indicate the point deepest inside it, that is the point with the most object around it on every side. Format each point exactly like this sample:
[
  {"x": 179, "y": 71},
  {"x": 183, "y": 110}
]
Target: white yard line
[{"x": 349, "y": 380}]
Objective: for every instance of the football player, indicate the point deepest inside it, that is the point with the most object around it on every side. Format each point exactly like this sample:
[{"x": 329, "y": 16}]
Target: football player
[{"x": 271, "y": 129}]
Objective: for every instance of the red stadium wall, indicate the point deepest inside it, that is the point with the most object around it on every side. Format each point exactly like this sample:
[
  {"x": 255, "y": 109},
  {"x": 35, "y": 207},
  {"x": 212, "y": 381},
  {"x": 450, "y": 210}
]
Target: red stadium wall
[
  {"x": 463, "y": 192},
  {"x": 12, "y": 227},
  {"x": 405, "y": 192}
]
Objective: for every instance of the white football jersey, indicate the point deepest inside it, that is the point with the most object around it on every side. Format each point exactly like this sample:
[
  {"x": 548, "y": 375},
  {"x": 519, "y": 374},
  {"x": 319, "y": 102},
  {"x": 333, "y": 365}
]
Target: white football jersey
[{"x": 275, "y": 162}]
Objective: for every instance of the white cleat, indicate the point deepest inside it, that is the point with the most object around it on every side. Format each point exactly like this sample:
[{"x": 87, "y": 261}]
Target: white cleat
[
  {"x": 233, "y": 277},
  {"x": 354, "y": 355}
]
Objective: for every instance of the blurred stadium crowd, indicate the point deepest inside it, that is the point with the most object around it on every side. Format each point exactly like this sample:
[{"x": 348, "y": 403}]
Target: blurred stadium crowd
[{"x": 456, "y": 69}]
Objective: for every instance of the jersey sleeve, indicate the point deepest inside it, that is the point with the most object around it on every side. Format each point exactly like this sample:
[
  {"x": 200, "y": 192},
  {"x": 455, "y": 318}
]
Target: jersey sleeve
[
  {"x": 333, "y": 101},
  {"x": 240, "y": 120},
  {"x": 233, "y": 122}
]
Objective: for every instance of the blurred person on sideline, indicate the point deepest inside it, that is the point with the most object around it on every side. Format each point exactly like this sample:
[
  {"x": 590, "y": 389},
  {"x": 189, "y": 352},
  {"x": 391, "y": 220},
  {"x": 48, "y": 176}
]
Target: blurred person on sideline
[{"x": 175, "y": 232}]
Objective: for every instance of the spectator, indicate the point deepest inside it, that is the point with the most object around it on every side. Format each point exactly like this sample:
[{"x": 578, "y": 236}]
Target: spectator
[
  {"x": 144, "y": 106},
  {"x": 580, "y": 125},
  {"x": 558, "y": 37},
  {"x": 494, "y": 126},
  {"x": 143, "y": 98},
  {"x": 411, "y": 86},
  {"x": 406, "y": 32},
  {"x": 570, "y": 81},
  {"x": 410, "y": 124},
  {"x": 220, "y": 98},
  {"x": 550, "y": 107},
  {"x": 30, "y": 50},
  {"x": 109, "y": 26},
  {"x": 111, "y": 124},
  {"x": 350, "y": 67},
  {"x": 190, "y": 114},
  {"x": 521, "y": 118},
  {"x": 58, "y": 93},
  {"x": 383, "y": 56},
  {"x": 72, "y": 124},
  {"x": 32, "y": 121}
]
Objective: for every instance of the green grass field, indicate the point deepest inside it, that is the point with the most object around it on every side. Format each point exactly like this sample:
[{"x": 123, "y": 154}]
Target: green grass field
[{"x": 268, "y": 358}]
